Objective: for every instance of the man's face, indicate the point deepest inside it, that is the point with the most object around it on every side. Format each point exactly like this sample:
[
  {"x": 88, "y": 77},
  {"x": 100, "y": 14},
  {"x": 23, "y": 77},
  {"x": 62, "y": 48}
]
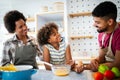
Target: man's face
[{"x": 100, "y": 24}]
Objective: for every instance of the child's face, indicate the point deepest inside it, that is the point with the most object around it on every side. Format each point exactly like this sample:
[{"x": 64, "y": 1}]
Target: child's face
[{"x": 54, "y": 37}]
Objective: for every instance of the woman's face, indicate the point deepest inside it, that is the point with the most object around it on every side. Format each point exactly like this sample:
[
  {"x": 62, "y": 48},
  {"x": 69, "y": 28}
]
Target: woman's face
[
  {"x": 54, "y": 37},
  {"x": 21, "y": 28}
]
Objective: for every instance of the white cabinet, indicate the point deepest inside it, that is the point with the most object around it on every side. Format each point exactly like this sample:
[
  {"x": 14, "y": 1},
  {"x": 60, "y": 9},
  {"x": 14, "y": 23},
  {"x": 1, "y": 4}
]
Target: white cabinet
[{"x": 45, "y": 17}]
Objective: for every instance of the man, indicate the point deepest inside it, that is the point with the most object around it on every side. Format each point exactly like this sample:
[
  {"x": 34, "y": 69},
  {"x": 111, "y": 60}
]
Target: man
[{"x": 104, "y": 16}]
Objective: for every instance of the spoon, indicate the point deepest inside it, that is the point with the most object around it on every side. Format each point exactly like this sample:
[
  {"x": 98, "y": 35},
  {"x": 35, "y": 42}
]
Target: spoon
[{"x": 46, "y": 63}]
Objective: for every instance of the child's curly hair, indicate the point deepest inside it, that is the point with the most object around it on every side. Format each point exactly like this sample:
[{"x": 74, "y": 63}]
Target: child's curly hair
[{"x": 45, "y": 32}]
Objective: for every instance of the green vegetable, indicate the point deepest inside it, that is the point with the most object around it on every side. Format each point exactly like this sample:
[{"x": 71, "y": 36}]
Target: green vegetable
[
  {"x": 102, "y": 68},
  {"x": 116, "y": 71}
]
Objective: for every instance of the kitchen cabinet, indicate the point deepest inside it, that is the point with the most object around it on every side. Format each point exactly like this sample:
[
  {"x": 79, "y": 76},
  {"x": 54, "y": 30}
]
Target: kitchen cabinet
[{"x": 45, "y": 17}]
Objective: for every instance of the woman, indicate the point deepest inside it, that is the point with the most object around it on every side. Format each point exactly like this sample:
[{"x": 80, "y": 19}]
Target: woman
[{"x": 20, "y": 49}]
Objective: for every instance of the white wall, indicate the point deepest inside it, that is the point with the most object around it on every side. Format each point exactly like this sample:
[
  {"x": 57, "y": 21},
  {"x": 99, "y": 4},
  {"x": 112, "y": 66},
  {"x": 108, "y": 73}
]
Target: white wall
[
  {"x": 75, "y": 26},
  {"x": 83, "y": 26},
  {"x": 27, "y": 7}
]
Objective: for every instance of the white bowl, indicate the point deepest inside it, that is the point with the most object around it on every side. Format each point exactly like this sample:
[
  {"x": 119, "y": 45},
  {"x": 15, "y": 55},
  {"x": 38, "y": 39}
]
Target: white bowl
[{"x": 23, "y": 67}]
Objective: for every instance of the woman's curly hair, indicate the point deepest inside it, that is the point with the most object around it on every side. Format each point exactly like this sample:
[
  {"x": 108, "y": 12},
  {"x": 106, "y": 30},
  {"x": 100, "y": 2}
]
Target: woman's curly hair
[
  {"x": 10, "y": 18},
  {"x": 45, "y": 32}
]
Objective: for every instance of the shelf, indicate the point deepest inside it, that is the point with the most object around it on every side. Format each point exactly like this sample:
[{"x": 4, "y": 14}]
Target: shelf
[
  {"x": 30, "y": 33},
  {"x": 50, "y": 12},
  {"x": 80, "y": 14},
  {"x": 80, "y": 37},
  {"x": 51, "y": 16},
  {"x": 30, "y": 19}
]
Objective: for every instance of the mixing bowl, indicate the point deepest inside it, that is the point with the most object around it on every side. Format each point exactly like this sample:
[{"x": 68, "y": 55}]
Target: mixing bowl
[
  {"x": 61, "y": 70},
  {"x": 23, "y": 72}
]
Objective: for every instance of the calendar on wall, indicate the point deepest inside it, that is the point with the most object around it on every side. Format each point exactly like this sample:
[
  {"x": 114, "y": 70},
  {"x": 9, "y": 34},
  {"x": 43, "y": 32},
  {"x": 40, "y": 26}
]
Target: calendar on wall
[{"x": 81, "y": 33}]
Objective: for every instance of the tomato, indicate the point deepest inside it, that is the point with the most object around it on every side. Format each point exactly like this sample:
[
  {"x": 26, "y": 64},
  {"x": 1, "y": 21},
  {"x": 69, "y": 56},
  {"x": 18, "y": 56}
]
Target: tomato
[
  {"x": 109, "y": 74},
  {"x": 98, "y": 76}
]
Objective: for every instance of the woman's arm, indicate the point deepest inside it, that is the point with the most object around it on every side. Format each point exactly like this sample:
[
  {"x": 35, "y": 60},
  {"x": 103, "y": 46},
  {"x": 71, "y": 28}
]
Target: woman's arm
[{"x": 6, "y": 54}]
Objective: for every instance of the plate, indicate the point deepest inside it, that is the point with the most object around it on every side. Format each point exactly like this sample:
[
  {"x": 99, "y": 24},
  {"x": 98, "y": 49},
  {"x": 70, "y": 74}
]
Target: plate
[{"x": 23, "y": 67}]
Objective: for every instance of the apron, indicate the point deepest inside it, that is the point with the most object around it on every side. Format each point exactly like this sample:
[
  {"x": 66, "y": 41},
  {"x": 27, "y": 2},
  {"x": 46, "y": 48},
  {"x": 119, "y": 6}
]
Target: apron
[
  {"x": 26, "y": 55},
  {"x": 108, "y": 51}
]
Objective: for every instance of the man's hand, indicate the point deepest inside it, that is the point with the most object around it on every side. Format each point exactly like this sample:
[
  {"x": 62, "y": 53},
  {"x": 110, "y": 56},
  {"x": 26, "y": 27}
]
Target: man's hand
[{"x": 94, "y": 65}]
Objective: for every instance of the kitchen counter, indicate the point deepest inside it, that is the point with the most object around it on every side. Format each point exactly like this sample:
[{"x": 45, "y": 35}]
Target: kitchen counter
[{"x": 48, "y": 75}]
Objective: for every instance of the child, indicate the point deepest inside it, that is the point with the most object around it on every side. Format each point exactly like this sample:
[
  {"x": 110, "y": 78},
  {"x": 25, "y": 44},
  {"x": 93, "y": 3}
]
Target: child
[{"x": 55, "y": 51}]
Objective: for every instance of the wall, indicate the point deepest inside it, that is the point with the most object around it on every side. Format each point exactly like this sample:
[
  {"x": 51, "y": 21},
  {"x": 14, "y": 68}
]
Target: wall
[
  {"x": 76, "y": 26},
  {"x": 83, "y": 26},
  {"x": 28, "y": 7}
]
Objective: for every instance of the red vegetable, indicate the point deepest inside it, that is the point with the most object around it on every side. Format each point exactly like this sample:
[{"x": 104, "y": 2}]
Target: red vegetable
[
  {"x": 109, "y": 74},
  {"x": 98, "y": 76}
]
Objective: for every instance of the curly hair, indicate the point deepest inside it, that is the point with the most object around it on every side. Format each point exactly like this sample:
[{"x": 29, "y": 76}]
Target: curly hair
[
  {"x": 10, "y": 18},
  {"x": 45, "y": 32},
  {"x": 106, "y": 10}
]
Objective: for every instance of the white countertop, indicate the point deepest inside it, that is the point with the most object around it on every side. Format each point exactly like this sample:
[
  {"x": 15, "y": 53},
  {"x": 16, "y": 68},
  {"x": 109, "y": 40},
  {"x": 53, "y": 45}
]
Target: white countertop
[{"x": 48, "y": 75}]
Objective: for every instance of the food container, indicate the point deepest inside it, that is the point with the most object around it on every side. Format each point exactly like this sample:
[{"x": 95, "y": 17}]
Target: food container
[
  {"x": 23, "y": 72},
  {"x": 44, "y": 9},
  {"x": 58, "y": 6},
  {"x": 61, "y": 70}
]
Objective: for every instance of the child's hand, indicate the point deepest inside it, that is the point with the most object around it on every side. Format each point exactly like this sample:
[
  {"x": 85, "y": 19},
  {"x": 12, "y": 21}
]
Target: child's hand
[
  {"x": 71, "y": 63},
  {"x": 79, "y": 67}
]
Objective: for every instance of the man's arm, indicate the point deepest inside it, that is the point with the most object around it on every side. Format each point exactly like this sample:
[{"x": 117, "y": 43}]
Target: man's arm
[
  {"x": 116, "y": 62},
  {"x": 95, "y": 62}
]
